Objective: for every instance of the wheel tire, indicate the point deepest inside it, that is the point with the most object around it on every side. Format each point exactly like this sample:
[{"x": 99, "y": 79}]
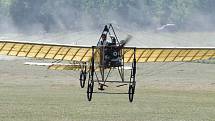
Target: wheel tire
[
  {"x": 82, "y": 79},
  {"x": 131, "y": 93},
  {"x": 90, "y": 91}
]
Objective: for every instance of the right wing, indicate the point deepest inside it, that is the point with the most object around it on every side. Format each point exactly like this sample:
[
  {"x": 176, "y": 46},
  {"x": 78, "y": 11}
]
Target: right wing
[{"x": 183, "y": 54}]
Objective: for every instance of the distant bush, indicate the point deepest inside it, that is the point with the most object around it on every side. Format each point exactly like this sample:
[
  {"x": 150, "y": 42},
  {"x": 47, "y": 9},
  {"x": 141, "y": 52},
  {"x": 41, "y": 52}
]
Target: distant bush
[{"x": 58, "y": 15}]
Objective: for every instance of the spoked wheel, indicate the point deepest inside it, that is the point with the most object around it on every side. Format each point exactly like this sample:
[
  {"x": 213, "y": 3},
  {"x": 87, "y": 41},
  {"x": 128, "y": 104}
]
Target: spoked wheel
[
  {"x": 131, "y": 91},
  {"x": 90, "y": 90},
  {"x": 83, "y": 76}
]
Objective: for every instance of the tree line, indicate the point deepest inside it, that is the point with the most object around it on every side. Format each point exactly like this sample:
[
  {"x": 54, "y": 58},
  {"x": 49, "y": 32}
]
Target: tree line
[{"x": 58, "y": 15}]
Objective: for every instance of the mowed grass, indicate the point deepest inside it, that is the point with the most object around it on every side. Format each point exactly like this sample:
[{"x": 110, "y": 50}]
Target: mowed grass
[
  {"x": 65, "y": 103},
  {"x": 36, "y": 94}
]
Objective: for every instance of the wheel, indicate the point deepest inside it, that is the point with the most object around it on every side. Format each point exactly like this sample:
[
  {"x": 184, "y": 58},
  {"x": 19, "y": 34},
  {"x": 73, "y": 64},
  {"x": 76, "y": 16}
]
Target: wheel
[
  {"x": 82, "y": 79},
  {"x": 131, "y": 92},
  {"x": 90, "y": 90}
]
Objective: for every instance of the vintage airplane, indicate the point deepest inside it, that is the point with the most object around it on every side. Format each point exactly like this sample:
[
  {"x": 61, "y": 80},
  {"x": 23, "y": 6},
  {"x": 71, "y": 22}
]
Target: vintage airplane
[{"x": 98, "y": 61}]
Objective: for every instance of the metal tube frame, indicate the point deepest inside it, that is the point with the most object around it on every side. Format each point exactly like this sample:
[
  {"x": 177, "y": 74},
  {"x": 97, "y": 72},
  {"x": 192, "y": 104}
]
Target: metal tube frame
[{"x": 121, "y": 70}]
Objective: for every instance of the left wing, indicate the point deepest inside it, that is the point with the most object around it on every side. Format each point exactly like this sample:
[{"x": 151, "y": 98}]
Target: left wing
[
  {"x": 46, "y": 51},
  {"x": 185, "y": 54}
]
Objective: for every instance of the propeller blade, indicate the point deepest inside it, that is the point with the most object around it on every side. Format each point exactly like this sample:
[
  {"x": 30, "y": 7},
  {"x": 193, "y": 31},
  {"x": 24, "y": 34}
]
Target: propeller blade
[{"x": 124, "y": 42}]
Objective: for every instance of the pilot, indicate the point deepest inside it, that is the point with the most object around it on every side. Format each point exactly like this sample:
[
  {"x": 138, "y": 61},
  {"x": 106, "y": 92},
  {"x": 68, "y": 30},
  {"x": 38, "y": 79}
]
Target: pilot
[{"x": 103, "y": 41}]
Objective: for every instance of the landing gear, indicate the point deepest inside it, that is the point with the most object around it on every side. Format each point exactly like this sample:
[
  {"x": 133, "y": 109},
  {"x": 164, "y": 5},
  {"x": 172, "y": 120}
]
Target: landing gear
[
  {"x": 131, "y": 92},
  {"x": 83, "y": 76},
  {"x": 90, "y": 89},
  {"x": 131, "y": 89},
  {"x": 90, "y": 85},
  {"x": 101, "y": 87}
]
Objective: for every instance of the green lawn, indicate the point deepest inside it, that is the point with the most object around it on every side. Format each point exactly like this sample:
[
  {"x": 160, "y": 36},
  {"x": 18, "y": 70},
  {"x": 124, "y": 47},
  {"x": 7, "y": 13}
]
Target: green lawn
[
  {"x": 36, "y": 94},
  {"x": 63, "y": 102}
]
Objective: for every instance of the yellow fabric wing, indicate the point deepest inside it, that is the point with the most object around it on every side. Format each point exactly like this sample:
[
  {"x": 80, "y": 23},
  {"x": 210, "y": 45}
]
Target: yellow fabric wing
[
  {"x": 71, "y": 67},
  {"x": 65, "y": 67},
  {"x": 168, "y": 54},
  {"x": 84, "y": 54},
  {"x": 45, "y": 51}
]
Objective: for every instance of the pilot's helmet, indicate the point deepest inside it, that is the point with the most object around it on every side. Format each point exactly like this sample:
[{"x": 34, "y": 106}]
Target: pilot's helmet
[{"x": 104, "y": 36}]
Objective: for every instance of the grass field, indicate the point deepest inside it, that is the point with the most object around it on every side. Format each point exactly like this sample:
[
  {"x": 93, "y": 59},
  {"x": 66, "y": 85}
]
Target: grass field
[{"x": 165, "y": 92}]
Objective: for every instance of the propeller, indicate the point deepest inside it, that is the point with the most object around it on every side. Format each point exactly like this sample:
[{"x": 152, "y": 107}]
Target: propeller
[{"x": 124, "y": 42}]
